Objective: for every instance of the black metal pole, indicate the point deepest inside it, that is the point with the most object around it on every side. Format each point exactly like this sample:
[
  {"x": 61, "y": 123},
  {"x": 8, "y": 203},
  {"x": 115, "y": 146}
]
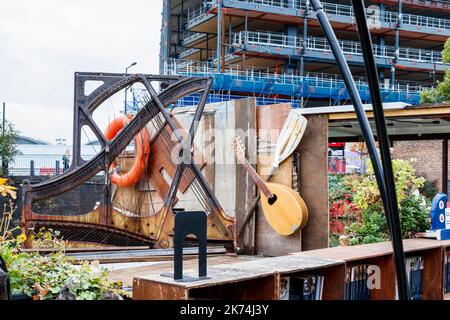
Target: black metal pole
[
  {"x": 383, "y": 140},
  {"x": 354, "y": 95}
]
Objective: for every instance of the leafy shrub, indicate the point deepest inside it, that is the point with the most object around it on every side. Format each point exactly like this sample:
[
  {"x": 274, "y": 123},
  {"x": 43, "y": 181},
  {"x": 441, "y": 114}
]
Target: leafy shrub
[
  {"x": 340, "y": 197},
  {"x": 412, "y": 207},
  {"x": 45, "y": 276},
  {"x": 429, "y": 190}
]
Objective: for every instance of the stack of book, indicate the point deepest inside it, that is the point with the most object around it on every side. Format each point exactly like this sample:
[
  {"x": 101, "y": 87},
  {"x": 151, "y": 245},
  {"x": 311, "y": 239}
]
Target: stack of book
[
  {"x": 447, "y": 272},
  {"x": 307, "y": 287},
  {"x": 414, "y": 273},
  {"x": 356, "y": 287}
]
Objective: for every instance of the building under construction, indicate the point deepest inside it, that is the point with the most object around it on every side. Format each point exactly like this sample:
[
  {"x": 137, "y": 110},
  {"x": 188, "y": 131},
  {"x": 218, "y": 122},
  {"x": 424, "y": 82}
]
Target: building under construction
[{"x": 275, "y": 50}]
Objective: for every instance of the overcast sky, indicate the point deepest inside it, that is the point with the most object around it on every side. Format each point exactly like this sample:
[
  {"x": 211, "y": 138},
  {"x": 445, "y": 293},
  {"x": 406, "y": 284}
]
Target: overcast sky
[{"x": 42, "y": 44}]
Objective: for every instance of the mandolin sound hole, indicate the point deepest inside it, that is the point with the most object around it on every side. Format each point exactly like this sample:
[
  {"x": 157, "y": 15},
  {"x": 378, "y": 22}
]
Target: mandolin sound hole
[{"x": 272, "y": 199}]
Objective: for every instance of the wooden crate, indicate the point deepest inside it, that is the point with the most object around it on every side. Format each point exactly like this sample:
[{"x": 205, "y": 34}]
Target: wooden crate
[
  {"x": 253, "y": 280},
  {"x": 381, "y": 254},
  {"x": 261, "y": 279},
  {"x": 361, "y": 255}
]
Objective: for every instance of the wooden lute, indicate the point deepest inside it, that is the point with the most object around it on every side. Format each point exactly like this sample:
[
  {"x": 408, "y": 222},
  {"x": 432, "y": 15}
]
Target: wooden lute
[{"x": 283, "y": 208}]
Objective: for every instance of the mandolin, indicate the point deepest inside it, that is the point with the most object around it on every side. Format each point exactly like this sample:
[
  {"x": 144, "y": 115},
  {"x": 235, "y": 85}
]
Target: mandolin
[{"x": 283, "y": 208}]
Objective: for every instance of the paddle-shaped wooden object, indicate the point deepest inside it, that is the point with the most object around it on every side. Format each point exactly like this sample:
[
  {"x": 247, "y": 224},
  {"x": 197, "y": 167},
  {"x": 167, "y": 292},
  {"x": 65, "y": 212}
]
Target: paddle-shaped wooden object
[{"x": 283, "y": 208}]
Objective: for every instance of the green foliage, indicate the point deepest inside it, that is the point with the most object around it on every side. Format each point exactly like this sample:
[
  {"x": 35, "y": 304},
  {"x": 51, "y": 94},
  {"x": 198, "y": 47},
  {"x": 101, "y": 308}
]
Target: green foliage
[
  {"x": 413, "y": 216},
  {"x": 45, "y": 276},
  {"x": 8, "y": 148},
  {"x": 339, "y": 186},
  {"x": 446, "y": 52},
  {"x": 442, "y": 91},
  {"x": 429, "y": 189},
  {"x": 367, "y": 192},
  {"x": 372, "y": 228},
  {"x": 412, "y": 207}
]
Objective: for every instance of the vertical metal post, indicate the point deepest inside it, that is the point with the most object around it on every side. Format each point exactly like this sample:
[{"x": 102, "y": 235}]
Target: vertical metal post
[
  {"x": 246, "y": 22},
  {"x": 165, "y": 41},
  {"x": 302, "y": 57},
  {"x": 32, "y": 168},
  {"x": 445, "y": 166},
  {"x": 360, "y": 112},
  {"x": 207, "y": 47},
  {"x": 382, "y": 40},
  {"x": 219, "y": 35},
  {"x": 390, "y": 200},
  {"x": 57, "y": 167},
  {"x": 291, "y": 40},
  {"x": 4, "y": 163},
  {"x": 397, "y": 43},
  {"x": 4, "y": 118},
  {"x": 230, "y": 30},
  {"x": 223, "y": 42}
]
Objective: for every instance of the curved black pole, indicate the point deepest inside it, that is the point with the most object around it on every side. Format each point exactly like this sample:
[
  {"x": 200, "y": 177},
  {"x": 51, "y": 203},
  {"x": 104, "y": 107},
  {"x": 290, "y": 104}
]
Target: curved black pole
[
  {"x": 362, "y": 118},
  {"x": 383, "y": 140}
]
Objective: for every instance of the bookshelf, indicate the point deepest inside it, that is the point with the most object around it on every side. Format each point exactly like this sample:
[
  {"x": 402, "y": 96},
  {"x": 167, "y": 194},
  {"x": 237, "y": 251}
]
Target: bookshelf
[
  {"x": 361, "y": 255},
  {"x": 252, "y": 280},
  {"x": 261, "y": 279},
  {"x": 381, "y": 254},
  {"x": 446, "y": 250}
]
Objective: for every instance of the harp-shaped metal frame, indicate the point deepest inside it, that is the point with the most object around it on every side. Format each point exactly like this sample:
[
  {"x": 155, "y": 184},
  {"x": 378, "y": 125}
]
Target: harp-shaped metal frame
[{"x": 84, "y": 106}]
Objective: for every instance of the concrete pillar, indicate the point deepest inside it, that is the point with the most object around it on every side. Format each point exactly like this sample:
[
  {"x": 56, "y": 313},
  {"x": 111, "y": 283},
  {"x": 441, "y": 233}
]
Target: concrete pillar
[
  {"x": 219, "y": 35},
  {"x": 291, "y": 33}
]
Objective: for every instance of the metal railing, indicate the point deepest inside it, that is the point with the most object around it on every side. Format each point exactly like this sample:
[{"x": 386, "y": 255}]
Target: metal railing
[
  {"x": 189, "y": 37},
  {"x": 185, "y": 52},
  {"x": 323, "y": 80},
  {"x": 321, "y": 44},
  {"x": 38, "y": 165},
  {"x": 198, "y": 12},
  {"x": 373, "y": 13},
  {"x": 41, "y": 164}
]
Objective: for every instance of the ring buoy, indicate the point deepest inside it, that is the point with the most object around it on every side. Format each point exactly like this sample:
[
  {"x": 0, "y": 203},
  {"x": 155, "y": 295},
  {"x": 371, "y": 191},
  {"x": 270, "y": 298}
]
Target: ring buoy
[{"x": 142, "y": 143}]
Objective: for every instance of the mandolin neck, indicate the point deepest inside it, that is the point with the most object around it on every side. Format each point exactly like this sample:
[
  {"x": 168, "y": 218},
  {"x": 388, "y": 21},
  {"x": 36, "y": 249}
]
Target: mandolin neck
[{"x": 256, "y": 179}]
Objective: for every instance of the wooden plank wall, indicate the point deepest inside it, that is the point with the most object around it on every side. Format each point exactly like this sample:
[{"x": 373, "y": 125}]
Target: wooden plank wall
[
  {"x": 245, "y": 124},
  {"x": 270, "y": 122},
  {"x": 313, "y": 150},
  {"x": 313, "y": 177}
]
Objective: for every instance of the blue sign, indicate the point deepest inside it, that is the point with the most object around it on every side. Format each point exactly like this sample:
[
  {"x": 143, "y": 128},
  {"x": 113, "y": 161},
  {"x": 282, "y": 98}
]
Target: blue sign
[{"x": 438, "y": 211}]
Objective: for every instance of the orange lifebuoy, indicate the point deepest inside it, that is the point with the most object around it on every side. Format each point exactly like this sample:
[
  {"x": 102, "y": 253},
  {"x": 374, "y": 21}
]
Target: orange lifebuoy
[{"x": 142, "y": 143}]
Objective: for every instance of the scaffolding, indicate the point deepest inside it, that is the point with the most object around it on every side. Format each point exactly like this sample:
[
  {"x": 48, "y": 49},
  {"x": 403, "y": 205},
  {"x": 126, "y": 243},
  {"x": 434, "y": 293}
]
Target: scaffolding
[{"x": 218, "y": 39}]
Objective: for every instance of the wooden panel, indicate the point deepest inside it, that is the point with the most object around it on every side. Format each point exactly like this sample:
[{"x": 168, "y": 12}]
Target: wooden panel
[
  {"x": 313, "y": 151},
  {"x": 256, "y": 289},
  {"x": 150, "y": 290},
  {"x": 210, "y": 168},
  {"x": 433, "y": 274},
  {"x": 245, "y": 125},
  {"x": 387, "y": 289},
  {"x": 271, "y": 120},
  {"x": 334, "y": 278}
]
